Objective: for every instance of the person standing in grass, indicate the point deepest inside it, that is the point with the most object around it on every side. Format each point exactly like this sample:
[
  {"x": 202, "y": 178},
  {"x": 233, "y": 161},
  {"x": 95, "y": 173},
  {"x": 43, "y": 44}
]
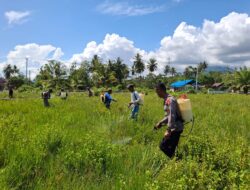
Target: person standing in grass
[
  {"x": 63, "y": 94},
  {"x": 11, "y": 92},
  {"x": 134, "y": 104},
  {"x": 90, "y": 92},
  {"x": 172, "y": 118},
  {"x": 108, "y": 98},
  {"x": 46, "y": 96}
]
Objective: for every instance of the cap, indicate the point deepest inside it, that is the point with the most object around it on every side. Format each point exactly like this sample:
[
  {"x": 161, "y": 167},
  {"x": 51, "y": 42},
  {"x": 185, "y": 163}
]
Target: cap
[{"x": 130, "y": 86}]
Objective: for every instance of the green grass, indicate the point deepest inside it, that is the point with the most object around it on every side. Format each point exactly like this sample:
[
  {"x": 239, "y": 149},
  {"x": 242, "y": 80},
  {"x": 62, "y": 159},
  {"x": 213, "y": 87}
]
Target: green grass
[{"x": 78, "y": 144}]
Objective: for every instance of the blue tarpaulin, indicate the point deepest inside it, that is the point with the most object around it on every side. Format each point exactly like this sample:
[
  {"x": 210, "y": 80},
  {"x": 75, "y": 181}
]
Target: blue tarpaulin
[{"x": 182, "y": 83}]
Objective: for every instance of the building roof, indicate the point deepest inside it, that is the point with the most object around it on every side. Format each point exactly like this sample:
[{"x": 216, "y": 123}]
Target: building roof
[
  {"x": 216, "y": 85},
  {"x": 2, "y": 81},
  {"x": 182, "y": 83}
]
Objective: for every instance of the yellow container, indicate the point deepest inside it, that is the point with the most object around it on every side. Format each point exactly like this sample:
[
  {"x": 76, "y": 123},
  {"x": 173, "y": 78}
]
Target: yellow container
[
  {"x": 186, "y": 109},
  {"x": 141, "y": 102}
]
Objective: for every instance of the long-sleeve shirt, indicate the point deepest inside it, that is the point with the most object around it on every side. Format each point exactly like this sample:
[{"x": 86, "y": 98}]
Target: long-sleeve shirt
[
  {"x": 172, "y": 114},
  {"x": 135, "y": 98}
]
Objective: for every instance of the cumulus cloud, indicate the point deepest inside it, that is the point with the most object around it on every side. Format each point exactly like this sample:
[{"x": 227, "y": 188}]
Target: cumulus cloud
[
  {"x": 37, "y": 56},
  {"x": 16, "y": 17},
  {"x": 123, "y": 8},
  {"x": 113, "y": 46},
  {"x": 223, "y": 43},
  {"x": 226, "y": 43},
  {"x": 57, "y": 54}
]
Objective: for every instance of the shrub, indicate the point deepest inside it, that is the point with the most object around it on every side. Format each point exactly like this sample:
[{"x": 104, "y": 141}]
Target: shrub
[{"x": 25, "y": 88}]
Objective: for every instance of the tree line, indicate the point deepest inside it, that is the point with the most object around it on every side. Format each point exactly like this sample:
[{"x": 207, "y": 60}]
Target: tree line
[{"x": 96, "y": 72}]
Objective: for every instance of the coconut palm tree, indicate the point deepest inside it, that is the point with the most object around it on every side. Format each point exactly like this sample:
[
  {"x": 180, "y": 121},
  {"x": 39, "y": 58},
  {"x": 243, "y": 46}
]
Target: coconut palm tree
[
  {"x": 173, "y": 71},
  {"x": 152, "y": 65},
  {"x": 243, "y": 78},
  {"x": 202, "y": 66},
  {"x": 139, "y": 65},
  {"x": 120, "y": 70},
  {"x": 187, "y": 72},
  {"x": 7, "y": 71},
  {"x": 167, "y": 70}
]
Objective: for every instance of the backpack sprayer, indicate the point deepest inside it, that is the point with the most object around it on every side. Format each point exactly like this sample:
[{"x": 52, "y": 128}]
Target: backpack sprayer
[{"x": 185, "y": 108}]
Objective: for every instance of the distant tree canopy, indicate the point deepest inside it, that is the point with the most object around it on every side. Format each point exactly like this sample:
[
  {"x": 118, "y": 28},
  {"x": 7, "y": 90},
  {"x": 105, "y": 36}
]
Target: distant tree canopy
[
  {"x": 13, "y": 76},
  {"x": 54, "y": 74},
  {"x": 10, "y": 71}
]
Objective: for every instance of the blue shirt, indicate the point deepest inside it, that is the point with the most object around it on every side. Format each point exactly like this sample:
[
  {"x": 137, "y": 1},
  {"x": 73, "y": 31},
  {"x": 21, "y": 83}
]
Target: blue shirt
[{"x": 108, "y": 98}]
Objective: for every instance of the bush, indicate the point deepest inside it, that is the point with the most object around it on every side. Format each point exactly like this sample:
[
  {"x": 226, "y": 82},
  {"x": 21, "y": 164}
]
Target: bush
[
  {"x": 191, "y": 91},
  {"x": 121, "y": 87},
  {"x": 25, "y": 88}
]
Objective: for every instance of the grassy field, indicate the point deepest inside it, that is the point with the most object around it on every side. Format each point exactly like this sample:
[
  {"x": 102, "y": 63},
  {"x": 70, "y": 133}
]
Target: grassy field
[{"x": 78, "y": 144}]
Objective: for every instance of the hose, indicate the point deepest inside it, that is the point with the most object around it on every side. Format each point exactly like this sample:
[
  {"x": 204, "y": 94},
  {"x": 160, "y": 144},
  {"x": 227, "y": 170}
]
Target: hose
[{"x": 190, "y": 131}]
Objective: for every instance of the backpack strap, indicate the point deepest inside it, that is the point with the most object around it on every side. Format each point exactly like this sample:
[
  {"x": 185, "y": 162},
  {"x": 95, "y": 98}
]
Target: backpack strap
[
  {"x": 178, "y": 112},
  {"x": 168, "y": 101},
  {"x": 135, "y": 95}
]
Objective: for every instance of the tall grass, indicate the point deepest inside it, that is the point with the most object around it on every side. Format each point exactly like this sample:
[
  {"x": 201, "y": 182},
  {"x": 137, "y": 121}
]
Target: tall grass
[{"x": 79, "y": 144}]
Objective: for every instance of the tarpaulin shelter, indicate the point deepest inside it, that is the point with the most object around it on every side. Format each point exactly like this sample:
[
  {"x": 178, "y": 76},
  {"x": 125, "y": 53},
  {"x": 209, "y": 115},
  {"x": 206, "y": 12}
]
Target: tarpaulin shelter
[{"x": 182, "y": 83}]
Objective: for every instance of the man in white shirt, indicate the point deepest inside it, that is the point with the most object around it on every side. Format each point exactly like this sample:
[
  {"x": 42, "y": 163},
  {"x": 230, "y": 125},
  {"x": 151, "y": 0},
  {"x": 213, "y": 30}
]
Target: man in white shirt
[
  {"x": 135, "y": 102},
  {"x": 63, "y": 94}
]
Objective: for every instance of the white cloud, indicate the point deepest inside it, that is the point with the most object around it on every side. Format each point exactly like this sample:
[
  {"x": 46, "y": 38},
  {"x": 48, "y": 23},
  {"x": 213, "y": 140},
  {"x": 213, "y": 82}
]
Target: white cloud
[
  {"x": 37, "y": 56},
  {"x": 16, "y": 17},
  {"x": 223, "y": 43},
  {"x": 123, "y": 8},
  {"x": 58, "y": 54},
  {"x": 113, "y": 46}
]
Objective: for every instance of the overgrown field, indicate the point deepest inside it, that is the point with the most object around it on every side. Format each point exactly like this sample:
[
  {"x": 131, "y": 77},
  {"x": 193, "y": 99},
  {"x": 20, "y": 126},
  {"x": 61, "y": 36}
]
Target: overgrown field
[{"x": 78, "y": 144}]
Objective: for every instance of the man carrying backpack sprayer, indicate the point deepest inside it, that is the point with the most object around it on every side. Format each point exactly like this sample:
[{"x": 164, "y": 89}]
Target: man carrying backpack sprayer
[
  {"x": 172, "y": 118},
  {"x": 135, "y": 101},
  {"x": 108, "y": 98},
  {"x": 46, "y": 96}
]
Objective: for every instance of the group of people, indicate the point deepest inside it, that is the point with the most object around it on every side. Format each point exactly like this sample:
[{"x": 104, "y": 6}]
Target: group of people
[
  {"x": 172, "y": 117},
  {"x": 46, "y": 95},
  {"x": 134, "y": 104}
]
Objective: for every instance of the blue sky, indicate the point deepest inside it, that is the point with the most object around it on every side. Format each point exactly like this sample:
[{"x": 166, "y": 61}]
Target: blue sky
[{"x": 72, "y": 24}]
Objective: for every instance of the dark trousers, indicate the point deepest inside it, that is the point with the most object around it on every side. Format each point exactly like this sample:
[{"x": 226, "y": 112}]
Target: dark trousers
[
  {"x": 169, "y": 144},
  {"x": 46, "y": 102},
  {"x": 11, "y": 94},
  {"x": 107, "y": 105}
]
